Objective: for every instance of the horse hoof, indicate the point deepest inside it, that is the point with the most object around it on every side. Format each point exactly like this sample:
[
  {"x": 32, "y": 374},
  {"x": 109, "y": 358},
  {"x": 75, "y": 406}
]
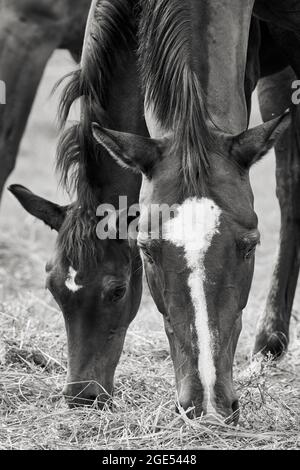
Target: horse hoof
[{"x": 271, "y": 344}]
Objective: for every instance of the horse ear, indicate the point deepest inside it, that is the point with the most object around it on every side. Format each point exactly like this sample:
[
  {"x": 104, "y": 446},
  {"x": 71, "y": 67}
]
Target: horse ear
[
  {"x": 129, "y": 150},
  {"x": 250, "y": 146},
  {"x": 52, "y": 214}
]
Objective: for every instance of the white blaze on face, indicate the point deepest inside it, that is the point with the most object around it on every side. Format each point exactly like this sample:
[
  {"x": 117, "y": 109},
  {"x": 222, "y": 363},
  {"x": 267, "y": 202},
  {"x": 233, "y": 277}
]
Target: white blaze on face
[
  {"x": 193, "y": 229},
  {"x": 70, "y": 281}
]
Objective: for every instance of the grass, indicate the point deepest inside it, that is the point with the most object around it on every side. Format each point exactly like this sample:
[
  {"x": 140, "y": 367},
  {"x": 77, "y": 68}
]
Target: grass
[{"x": 33, "y": 414}]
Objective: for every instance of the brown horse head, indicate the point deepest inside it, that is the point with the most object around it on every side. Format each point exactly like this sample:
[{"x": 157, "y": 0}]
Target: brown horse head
[
  {"x": 198, "y": 247},
  {"x": 97, "y": 285}
]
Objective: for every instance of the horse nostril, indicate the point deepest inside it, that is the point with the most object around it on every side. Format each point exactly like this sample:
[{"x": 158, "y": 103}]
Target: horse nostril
[
  {"x": 82, "y": 401},
  {"x": 233, "y": 418},
  {"x": 235, "y": 406},
  {"x": 188, "y": 409},
  {"x": 236, "y": 411}
]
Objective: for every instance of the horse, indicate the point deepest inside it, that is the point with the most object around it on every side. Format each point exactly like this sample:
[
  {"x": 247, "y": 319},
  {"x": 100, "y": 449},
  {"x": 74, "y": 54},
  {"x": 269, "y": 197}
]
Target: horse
[
  {"x": 199, "y": 259},
  {"x": 30, "y": 30},
  {"x": 200, "y": 281},
  {"x": 91, "y": 174},
  {"x": 96, "y": 283}
]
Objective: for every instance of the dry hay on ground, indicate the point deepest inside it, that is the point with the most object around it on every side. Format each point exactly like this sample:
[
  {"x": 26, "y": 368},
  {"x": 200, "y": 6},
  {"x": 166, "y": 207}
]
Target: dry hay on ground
[{"x": 34, "y": 415}]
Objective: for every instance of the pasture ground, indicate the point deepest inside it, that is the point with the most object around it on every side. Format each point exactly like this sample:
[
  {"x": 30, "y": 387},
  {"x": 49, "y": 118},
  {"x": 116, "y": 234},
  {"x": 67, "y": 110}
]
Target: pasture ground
[{"x": 33, "y": 414}]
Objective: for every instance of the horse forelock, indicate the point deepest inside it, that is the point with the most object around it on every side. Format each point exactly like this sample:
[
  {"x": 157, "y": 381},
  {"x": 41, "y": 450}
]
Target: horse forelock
[
  {"x": 77, "y": 241},
  {"x": 171, "y": 85}
]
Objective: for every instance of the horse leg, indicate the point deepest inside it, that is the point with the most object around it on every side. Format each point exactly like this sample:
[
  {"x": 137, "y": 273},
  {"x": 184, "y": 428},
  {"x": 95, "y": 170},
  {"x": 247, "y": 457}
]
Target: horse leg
[
  {"x": 25, "y": 48},
  {"x": 273, "y": 327}
]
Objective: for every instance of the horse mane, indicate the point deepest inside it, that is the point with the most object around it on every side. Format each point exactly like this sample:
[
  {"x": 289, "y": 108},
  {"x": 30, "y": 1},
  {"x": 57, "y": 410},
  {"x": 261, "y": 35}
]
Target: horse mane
[
  {"x": 111, "y": 31},
  {"x": 171, "y": 84}
]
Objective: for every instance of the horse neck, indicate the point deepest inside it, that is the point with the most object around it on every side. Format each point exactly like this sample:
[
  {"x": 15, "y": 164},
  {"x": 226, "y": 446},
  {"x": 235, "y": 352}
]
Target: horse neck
[
  {"x": 220, "y": 30},
  {"x": 124, "y": 112},
  {"x": 212, "y": 51}
]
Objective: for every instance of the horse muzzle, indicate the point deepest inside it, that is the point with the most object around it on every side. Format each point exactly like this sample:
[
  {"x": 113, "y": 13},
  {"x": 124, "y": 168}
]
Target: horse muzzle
[{"x": 91, "y": 394}]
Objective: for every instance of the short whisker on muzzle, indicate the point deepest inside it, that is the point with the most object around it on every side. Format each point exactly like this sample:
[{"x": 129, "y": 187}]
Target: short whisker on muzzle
[
  {"x": 80, "y": 401},
  {"x": 87, "y": 393},
  {"x": 88, "y": 383},
  {"x": 234, "y": 417},
  {"x": 189, "y": 413}
]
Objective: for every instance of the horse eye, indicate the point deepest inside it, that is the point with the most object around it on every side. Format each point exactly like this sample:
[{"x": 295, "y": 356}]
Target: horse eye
[
  {"x": 250, "y": 252},
  {"x": 117, "y": 294}
]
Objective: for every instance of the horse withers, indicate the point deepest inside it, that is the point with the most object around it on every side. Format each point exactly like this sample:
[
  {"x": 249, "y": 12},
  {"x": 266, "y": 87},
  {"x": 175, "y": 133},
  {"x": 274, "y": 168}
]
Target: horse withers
[
  {"x": 30, "y": 31},
  {"x": 97, "y": 283}
]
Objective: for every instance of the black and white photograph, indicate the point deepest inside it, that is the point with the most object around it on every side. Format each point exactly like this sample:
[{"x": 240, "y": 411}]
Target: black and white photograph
[{"x": 149, "y": 228}]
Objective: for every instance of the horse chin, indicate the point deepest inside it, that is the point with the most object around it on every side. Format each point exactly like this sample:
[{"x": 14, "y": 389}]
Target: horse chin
[
  {"x": 99, "y": 403},
  {"x": 90, "y": 395},
  {"x": 218, "y": 415},
  {"x": 232, "y": 416},
  {"x": 235, "y": 416}
]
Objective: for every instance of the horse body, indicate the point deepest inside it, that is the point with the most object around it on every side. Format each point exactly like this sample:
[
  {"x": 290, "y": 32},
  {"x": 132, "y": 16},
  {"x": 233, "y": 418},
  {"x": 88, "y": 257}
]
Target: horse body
[
  {"x": 30, "y": 30},
  {"x": 189, "y": 165}
]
